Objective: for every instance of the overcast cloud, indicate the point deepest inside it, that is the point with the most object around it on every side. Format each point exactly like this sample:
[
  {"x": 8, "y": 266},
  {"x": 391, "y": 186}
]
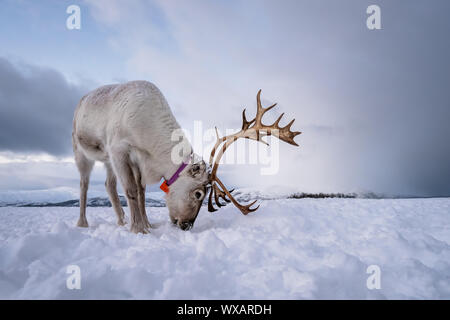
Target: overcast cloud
[
  {"x": 36, "y": 109},
  {"x": 374, "y": 106}
]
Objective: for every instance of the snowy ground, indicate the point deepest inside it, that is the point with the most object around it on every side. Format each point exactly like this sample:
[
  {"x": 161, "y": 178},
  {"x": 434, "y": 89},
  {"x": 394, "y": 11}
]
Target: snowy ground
[{"x": 293, "y": 249}]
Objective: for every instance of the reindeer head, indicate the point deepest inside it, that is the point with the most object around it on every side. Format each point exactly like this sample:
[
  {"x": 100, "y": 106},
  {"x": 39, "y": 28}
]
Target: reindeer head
[{"x": 185, "y": 197}]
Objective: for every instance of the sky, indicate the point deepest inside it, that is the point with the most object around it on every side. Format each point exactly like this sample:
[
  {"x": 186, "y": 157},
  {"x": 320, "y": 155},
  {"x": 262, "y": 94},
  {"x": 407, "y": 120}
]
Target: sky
[{"x": 373, "y": 105}]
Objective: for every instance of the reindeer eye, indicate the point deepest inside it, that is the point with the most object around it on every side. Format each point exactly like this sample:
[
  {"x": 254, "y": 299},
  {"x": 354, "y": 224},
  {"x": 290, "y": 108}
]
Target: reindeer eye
[{"x": 199, "y": 194}]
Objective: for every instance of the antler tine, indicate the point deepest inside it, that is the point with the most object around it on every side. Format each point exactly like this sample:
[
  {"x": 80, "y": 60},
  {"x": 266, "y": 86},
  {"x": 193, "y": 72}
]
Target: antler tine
[
  {"x": 216, "y": 197},
  {"x": 288, "y": 126},
  {"x": 245, "y": 209},
  {"x": 260, "y": 111},
  {"x": 217, "y": 133},
  {"x": 217, "y": 193},
  {"x": 222, "y": 194},
  {"x": 277, "y": 122},
  {"x": 287, "y": 135},
  {"x": 218, "y": 142},
  {"x": 246, "y": 124},
  {"x": 210, "y": 202}
]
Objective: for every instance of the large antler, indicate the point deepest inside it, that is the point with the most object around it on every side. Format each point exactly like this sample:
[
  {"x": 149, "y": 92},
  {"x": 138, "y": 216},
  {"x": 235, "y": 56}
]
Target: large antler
[{"x": 253, "y": 130}]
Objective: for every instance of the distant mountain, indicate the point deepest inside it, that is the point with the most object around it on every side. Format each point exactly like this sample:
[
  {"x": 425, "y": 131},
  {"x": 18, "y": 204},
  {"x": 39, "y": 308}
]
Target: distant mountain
[
  {"x": 156, "y": 199},
  {"x": 92, "y": 202}
]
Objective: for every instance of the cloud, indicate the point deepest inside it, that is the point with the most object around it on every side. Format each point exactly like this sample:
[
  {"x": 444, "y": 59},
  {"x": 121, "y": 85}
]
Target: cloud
[
  {"x": 36, "y": 109},
  {"x": 373, "y": 105}
]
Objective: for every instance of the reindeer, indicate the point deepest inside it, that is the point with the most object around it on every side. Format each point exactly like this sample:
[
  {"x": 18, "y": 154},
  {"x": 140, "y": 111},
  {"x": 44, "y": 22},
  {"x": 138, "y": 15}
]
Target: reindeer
[{"x": 129, "y": 128}]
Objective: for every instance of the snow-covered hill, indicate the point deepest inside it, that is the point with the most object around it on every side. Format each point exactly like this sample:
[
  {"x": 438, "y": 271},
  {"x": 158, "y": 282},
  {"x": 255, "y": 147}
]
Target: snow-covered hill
[
  {"x": 294, "y": 249},
  {"x": 68, "y": 197}
]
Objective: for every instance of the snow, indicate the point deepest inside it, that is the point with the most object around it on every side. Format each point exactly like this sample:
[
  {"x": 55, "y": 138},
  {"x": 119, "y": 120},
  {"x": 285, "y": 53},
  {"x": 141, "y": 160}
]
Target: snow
[{"x": 288, "y": 249}]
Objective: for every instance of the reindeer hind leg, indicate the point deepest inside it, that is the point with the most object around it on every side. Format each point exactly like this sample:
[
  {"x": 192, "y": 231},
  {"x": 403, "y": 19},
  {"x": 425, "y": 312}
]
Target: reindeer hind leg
[
  {"x": 111, "y": 188},
  {"x": 84, "y": 166}
]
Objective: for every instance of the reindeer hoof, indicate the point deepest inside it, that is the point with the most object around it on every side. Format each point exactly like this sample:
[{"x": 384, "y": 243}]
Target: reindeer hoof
[
  {"x": 82, "y": 223},
  {"x": 121, "y": 222},
  {"x": 139, "y": 229}
]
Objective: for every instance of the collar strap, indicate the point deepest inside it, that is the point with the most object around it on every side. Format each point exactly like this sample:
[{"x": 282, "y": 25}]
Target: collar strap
[{"x": 165, "y": 185}]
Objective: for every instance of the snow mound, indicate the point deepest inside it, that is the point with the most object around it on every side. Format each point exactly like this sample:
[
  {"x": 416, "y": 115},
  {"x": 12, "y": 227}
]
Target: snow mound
[{"x": 288, "y": 249}]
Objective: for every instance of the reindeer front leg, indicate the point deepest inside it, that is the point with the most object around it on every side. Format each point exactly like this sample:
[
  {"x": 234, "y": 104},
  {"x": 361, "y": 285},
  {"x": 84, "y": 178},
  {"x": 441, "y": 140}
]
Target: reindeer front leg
[
  {"x": 123, "y": 167},
  {"x": 141, "y": 195}
]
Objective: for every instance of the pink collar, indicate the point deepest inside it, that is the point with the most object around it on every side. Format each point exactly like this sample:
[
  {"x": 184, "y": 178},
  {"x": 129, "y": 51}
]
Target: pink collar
[{"x": 165, "y": 185}]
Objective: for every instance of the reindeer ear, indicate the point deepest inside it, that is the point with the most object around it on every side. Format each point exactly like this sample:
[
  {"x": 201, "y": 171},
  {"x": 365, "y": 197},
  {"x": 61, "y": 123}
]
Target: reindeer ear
[{"x": 197, "y": 169}]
